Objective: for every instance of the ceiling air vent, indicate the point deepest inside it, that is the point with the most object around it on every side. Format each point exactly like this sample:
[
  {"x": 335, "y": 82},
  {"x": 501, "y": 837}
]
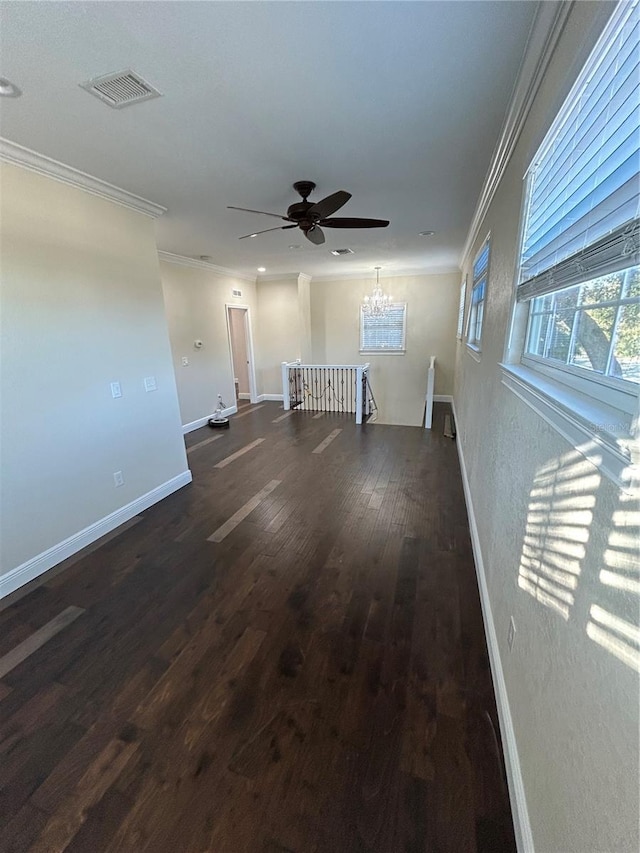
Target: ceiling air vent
[
  {"x": 236, "y": 292},
  {"x": 121, "y": 89},
  {"x": 338, "y": 252}
]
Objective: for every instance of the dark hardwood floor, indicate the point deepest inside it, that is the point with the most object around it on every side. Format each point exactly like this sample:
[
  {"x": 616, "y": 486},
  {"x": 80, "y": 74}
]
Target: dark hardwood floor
[{"x": 286, "y": 656}]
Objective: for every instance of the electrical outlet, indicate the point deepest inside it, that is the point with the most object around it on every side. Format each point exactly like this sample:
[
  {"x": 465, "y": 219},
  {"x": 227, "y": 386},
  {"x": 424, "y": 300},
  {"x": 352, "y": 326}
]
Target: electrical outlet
[
  {"x": 185, "y": 361},
  {"x": 118, "y": 479},
  {"x": 116, "y": 390},
  {"x": 512, "y": 633},
  {"x": 150, "y": 383}
]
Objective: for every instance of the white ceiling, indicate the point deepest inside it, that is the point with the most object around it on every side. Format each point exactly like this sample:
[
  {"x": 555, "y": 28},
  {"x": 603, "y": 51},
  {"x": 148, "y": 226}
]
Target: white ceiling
[{"x": 400, "y": 103}]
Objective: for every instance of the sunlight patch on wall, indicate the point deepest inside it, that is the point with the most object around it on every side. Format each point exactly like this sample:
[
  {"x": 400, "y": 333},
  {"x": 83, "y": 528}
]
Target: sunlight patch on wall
[
  {"x": 620, "y": 580},
  {"x": 616, "y": 635},
  {"x": 557, "y": 531}
]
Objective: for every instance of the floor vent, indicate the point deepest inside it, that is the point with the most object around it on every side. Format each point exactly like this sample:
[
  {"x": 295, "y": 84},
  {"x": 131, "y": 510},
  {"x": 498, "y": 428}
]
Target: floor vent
[
  {"x": 338, "y": 252},
  {"x": 121, "y": 89}
]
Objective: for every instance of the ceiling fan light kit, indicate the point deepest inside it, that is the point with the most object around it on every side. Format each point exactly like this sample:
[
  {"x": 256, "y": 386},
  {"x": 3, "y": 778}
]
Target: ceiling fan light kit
[{"x": 312, "y": 217}]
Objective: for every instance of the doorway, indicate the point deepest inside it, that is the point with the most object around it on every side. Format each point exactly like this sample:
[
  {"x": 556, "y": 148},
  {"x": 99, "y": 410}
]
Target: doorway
[{"x": 241, "y": 349}]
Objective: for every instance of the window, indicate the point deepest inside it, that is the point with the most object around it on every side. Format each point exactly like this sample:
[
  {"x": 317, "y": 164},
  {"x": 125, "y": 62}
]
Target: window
[
  {"x": 384, "y": 333},
  {"x": 478, "y": 296},
  {"x": 576, "y": 326},
  {"x": 579, "y": 273},
  {"x": 594, "y": 327},
  {"x": 461, "y": 304}
]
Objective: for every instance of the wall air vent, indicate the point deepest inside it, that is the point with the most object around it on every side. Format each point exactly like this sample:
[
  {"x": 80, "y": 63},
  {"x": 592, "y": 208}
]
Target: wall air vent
[
  {"x": 235, "y": 292},
  {"x": 338, "y": 252},
  {"x": 121, "y": 89}
]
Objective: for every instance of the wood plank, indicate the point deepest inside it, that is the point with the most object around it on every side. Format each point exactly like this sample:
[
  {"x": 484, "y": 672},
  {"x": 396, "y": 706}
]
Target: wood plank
[
  {"x": 27, "y": 647},
  {"x": 245, "y": 510},
  {"x": 229, "y": 459}
]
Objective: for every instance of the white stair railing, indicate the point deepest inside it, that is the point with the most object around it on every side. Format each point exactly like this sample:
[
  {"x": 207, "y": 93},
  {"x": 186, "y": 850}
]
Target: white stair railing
[{"x": 326, "y": 388}]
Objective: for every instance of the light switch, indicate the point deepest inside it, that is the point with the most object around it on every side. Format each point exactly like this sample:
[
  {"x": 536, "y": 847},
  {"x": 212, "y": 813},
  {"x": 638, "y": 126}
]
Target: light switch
[
  {"x": 150, "y": 383},
  {"x": 116, "y": 391}
]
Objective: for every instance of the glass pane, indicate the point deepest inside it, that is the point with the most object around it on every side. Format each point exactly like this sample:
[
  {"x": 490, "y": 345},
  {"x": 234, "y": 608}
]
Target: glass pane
[
  {"x": 604, "y": 289},
  {"x": 593, "y": 339},
  {"x": 567, "y": 299},
  {"x": 633, "y": 283},
  {"x": 626, "y": 361},
  {"x": 542, "y": 303},
  {"x": 560, "y": 335},
  {"x": 538, "y": 332}
]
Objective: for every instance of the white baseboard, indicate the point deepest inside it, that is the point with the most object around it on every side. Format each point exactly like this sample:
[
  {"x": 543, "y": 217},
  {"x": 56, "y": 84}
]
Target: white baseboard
[
  {"x": 522, "y": 826},
  {"x": 443, "y": 398},
  {"x": 230, "y": 410},
  {"x": 278, "y": 398},
  {"x": 33, "y": 568}
]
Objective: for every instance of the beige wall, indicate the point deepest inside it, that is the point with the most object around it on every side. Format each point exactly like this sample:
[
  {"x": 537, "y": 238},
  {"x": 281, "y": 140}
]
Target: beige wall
[
  {"x": 399, "y": 382},
  {"x": 574, "y": 704},
  {"x": 195, "y": 301},
  {"x": 279, "y": 328},
  {"x": 81, "y": 308}
]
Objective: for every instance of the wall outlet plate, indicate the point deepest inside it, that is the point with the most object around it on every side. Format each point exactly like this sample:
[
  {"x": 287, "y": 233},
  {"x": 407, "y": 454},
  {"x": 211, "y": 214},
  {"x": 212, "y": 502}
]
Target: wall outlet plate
[
  {"x": 116, "y": 390},
  {"x": 512, "y": 633},
  {"x": 118, "y": 479}
]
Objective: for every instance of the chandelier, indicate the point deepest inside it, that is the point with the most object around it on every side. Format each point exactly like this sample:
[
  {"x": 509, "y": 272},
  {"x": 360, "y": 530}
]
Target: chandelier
[{"x": 378, "y": 303}]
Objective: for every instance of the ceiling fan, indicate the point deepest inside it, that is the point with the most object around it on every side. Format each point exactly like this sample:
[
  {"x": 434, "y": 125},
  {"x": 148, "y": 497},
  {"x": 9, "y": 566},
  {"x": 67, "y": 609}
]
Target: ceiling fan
[{"x": 309, "y": 216}]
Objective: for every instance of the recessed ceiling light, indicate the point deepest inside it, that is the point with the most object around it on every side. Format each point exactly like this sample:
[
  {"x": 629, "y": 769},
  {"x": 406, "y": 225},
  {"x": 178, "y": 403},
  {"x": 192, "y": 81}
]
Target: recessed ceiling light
[
  {"x": 8, "y": 89},
  {"x": 426, "y": 233},
  {"x": 262, "y": 269},
  {"x": 253, "y": 235}
]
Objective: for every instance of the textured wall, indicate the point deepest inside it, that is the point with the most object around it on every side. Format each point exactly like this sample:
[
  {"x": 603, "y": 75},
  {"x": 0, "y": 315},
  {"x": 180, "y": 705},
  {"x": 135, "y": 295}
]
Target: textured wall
[{"x": 544, "y": 512}]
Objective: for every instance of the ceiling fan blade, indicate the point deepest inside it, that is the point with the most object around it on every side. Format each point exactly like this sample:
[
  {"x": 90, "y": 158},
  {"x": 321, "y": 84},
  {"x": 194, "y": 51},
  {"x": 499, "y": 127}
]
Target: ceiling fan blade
[
  {"x": 263, "y": 212},
  {"x": 315, "y": 235},
  {"x": 278, "y": 228},
  {"x": 346, "y": 222},
  {"x": 330, "y": 204}
]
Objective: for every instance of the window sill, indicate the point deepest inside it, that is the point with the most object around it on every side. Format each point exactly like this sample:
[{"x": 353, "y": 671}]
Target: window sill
[
  {"x": 383, "y": 352},
  {"x": 474, "y": 352},
  {"x": 597, "y": 431}
]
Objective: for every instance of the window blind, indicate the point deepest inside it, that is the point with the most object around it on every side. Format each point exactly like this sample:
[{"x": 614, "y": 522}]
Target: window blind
[
  {"x": 384, "y": 333},
  {"x": 584, "y": 183}
]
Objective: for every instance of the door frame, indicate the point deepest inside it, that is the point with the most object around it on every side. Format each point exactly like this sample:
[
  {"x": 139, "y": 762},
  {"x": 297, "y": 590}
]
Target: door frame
[{"x": 251, "y": 368}]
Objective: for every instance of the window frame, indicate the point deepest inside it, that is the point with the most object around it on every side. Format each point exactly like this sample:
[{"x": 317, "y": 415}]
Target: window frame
[
  {"x": 597, "y": 414},
  {"x": 384, "y": 350},
  {"x": 462, "y": 305},
  {"x": 474, "y": 345}
]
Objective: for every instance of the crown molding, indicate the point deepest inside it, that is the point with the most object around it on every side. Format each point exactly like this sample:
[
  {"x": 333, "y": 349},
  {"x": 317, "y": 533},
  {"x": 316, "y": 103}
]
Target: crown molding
[
  {"x": 196, "y": 263},
  {"x": 368, "y": 275},
  {"x": 285, "y": 276},
  {"x": 546, "y": 30},
  {"x": 18, "y": 155}
]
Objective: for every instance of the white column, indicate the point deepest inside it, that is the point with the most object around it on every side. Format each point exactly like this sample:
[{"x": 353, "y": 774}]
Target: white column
[
  {"x": 285, "y": 386},
  {"x": 428, "y": 414},
  {"x": 359, "y": 373}
]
